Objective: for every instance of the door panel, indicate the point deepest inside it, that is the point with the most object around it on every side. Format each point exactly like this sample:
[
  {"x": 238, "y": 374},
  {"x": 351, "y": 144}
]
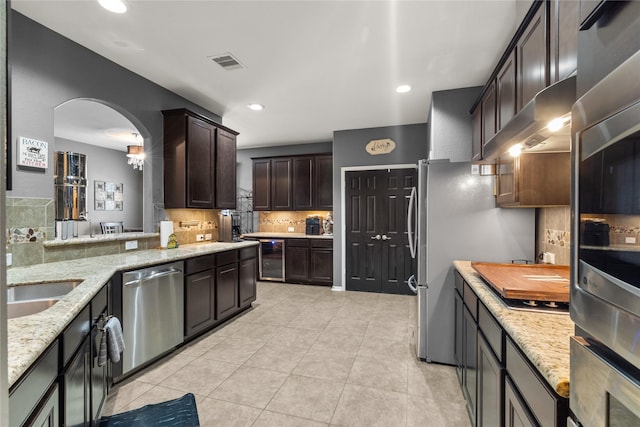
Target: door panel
[{"x": 378, "y": 257}]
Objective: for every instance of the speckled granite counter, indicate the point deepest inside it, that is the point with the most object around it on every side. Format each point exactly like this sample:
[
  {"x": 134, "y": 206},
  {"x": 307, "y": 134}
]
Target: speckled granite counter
[
  {"x": 543, "y": 337},
  {"x": 29, "y": 336},
  {"x": 268, "y": 235}
]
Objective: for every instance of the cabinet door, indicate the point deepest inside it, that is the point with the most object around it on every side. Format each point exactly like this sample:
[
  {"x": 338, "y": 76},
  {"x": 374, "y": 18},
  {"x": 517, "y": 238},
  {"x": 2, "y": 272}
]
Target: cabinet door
[
  {"x": 469, "y": 372},
  {"x": 506, "y": 176},
  {"x": 303, "y": 188},
  {"x": 77, "y": 380},
  {"x": 490, "y": 389},
  {"x": 226, "y": 290},
  {"x": 225, "y": 172},
  {"x": 324, "y": 183},
  {"x": 458, "y": 310},
  {"x": 99, "y": 377},
  {"x": 262, "y": 184},
  {"x": 247, "y": 273},
  {"x": 281, "y": 185},
  {"x": 506, "y": 92},
  {"x": 563, "y": 39},
  {"x": 516, "y": 413},
  {"x": 532, "y": 59},
  {"x": 489, "y": 113},
  {"x": 200, "y": 302},
  {"x": 297, "y": 261},
  {"x": 48, "y": 416},
  {"x": 321, "y": 265},
  {"x": 200, "y": 163},
  {"x": 476, "y": 142}
]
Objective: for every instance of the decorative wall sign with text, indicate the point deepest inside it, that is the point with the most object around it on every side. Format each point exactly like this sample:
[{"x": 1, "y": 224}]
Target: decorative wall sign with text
[
  {"x": 380, "y": 146},
  {"x": 108, "y": 196},
  {"x": 33, "y": 153}
]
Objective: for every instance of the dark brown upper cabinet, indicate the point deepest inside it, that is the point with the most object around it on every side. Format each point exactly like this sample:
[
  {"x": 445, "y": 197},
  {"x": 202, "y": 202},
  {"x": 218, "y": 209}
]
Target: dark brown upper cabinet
[
  {"x": 489, "y": 113},
  {"x": 506, "y": 98},
  {"x": 293, "y": 183},
  {"x": 531, "y": 52},
  {"x": 199, "y": 162},
  {"x": 563, "y": 36},
  {"x": 476, "y": 126}
]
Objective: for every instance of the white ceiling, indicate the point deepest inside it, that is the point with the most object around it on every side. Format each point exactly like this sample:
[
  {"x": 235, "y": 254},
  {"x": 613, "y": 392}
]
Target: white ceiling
[{"x": 317, "y": 66}]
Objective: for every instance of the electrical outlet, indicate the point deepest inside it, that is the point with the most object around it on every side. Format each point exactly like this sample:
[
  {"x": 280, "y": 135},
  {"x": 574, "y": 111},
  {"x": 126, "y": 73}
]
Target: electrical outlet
[
  {"x": 131, "y": 244},
  {"x": 549, "y": 258},
  {"x": 208, "y": 236},
  {"x": 9, "y": 259},
  {"x": 631, "y": 240},
  {"x": 475, "y": 169},
  {"x": 290, "y": 229},
  {"x": 199, "y": 237}
]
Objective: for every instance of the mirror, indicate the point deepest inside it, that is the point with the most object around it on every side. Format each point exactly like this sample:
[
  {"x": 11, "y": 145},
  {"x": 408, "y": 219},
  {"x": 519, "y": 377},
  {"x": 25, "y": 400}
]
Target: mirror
[{"x": 114, "y": 184}]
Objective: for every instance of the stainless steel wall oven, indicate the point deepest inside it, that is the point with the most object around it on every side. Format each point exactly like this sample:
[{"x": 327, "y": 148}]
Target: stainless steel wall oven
[{"x": 605, "y": 292}]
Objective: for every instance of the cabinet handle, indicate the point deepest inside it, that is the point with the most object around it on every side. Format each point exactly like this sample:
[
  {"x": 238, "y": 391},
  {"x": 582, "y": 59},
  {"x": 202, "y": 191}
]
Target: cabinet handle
[
  {"x": 384, "y": 237},
  {"x": 376, "y": 237}
]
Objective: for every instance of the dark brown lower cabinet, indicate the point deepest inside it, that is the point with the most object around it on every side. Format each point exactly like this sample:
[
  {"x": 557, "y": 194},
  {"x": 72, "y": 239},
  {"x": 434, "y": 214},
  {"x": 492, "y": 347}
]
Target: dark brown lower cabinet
[
  {"x": 226, "y": 290},
  {"x": 469, "y": 377},
  {"x": 48, "y": 415},
  {"x": 490, "y": 391},
  {"x": 309, "y": 261},
  {"x": 516, "y": 413},
  {"x": 458, "y": 314},
  {"x": 77, "y": 394},
  {"x": 247, "y": 273},
  {"x": 200, "y": 301}
]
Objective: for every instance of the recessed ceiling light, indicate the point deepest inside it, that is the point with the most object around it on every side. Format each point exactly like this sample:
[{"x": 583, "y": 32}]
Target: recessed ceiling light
[
  {"x": 115, "y": 6},
  {"x": 256, "y": 107},
  {"x": 403, "y": 88}
]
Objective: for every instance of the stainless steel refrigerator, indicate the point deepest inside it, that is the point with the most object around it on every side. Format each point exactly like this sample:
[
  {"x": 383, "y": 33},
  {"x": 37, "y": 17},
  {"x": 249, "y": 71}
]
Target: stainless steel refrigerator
[{"x": 452, "y": 216}]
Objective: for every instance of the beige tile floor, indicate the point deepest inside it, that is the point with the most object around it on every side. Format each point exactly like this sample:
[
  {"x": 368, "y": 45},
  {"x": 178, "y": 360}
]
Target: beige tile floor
[{"x": 306, "y": 356}]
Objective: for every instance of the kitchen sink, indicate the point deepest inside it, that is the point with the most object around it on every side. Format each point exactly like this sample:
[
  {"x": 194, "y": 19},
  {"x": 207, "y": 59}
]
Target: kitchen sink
[{"x": 33, "y": 298}]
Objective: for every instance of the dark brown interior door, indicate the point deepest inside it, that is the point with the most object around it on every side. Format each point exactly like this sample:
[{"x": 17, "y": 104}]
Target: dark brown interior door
[{"x": 377, "y": 254}]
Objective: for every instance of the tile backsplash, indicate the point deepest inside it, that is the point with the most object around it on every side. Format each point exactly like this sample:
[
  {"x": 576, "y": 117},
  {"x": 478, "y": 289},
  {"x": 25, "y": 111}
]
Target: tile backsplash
[
  {"x": 207, "y": 223},
  {"x": 280, "y": 221},
  {"x": 553, "y": 226},
  {"x": 623, "y": 229}
]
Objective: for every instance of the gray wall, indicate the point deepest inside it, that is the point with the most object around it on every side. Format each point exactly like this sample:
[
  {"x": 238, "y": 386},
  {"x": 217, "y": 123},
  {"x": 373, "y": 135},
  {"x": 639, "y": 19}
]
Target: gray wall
[
  {"x": 450, "y": 130},
  {"x": 349, "y": 150},
  {"x": 104, "y": 164},
  {"x": 48, "y": 69}
]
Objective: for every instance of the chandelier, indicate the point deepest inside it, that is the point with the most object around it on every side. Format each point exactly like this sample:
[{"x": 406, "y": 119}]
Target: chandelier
[{"x": 135, "y": 153}]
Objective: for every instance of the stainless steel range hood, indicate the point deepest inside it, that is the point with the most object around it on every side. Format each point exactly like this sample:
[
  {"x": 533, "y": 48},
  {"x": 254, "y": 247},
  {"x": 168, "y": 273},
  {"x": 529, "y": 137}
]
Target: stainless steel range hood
[{"x": 529, "y": 127}]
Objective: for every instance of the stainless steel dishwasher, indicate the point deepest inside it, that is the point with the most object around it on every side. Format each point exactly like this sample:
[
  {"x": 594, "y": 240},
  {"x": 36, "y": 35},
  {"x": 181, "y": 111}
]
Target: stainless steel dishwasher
[{"x": 152, "y": 313}]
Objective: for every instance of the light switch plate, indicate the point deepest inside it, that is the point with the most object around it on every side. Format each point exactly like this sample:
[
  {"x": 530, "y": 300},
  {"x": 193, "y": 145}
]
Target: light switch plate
[
  {"x": 208, "y": 236},
  {"x": 631, "y": 240},
  {"x": 199, "y": 237},
  {"x": 290, "y": 229},
  {"x": 131, "y": 244},
  {"x": 9, "y": 259}
]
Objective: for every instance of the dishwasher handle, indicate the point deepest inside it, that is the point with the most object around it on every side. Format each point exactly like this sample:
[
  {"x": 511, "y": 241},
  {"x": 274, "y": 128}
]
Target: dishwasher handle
[{"x": 154, "y": 275}]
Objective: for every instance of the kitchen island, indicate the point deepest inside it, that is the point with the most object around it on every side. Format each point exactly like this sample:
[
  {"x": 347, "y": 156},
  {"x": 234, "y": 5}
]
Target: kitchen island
[
  {"x": 29, "y": 336},
  {"x": 530, "y": 358}
]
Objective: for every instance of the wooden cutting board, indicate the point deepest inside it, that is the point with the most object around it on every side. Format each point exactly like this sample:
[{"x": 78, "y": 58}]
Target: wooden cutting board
[{"x": 531, "y": 282}]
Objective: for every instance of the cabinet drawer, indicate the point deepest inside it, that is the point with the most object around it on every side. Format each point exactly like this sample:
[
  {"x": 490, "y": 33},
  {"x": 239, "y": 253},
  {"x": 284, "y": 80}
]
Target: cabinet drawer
[
  {"x": 540, "y": 401},
  {"x": 491, "y": 330},
  {"x": 228, "y": 257},
  {"x": 470, "y": 300},
  {"x": 298, "y": 243},
  {"x": 99, "y": 304},
  {"x": 246, "y": 253},
  {"x": 74, "y": 334},
  {"x": 321, "y": 243},
  {"x": 198, "y": 264},
  {"x": 26, "y": 395}
]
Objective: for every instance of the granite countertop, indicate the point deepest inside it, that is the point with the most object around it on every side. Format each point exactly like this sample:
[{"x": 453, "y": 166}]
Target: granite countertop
[
  {"x": 98, "y": 238},
  {"x": 542, "y": 337},
  {"x": 276, "y": 235},
  {"x": 29, "y": 336}
]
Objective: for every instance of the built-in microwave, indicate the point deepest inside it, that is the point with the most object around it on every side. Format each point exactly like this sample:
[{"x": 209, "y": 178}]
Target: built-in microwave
[{"x": 605, "y": 264}]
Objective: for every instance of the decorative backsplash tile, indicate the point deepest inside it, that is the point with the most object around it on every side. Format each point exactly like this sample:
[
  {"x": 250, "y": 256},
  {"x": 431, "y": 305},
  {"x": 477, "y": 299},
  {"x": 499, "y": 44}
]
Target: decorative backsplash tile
[
  {"x": 279, "y": 222},
  {"x": 26, "y": 235},
  {"x": 560, "y": 238}
]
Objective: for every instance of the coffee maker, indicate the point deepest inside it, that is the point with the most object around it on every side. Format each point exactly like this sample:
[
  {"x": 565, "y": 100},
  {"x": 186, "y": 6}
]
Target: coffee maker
[{"x": 313, "y": 225}]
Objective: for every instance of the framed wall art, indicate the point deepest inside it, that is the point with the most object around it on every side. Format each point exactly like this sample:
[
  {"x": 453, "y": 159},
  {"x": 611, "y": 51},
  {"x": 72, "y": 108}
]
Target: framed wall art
[{"x": 108, "y": 196}]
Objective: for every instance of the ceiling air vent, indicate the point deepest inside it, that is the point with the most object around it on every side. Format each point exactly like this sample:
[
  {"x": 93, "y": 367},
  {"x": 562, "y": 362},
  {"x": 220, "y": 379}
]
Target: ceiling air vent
[{"x": 227, "y": 61}]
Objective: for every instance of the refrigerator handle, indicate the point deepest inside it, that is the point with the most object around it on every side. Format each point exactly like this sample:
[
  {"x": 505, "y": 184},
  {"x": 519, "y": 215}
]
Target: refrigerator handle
[{"x": 411, "y": 236}]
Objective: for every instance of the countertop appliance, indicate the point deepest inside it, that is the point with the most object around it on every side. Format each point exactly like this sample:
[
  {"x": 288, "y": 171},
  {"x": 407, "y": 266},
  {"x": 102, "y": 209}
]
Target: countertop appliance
[
  {"x": 271, "y": 259},
  {"x": 605, "y": 291},
  {"x": 312, "y": 226},
  {"x": 152, "y": 313},
  {"x": 452, "y": 216}
]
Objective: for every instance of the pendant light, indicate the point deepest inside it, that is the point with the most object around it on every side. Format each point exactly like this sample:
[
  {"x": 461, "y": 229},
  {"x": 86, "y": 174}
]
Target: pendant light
[{"x": 135, "y": 153}]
